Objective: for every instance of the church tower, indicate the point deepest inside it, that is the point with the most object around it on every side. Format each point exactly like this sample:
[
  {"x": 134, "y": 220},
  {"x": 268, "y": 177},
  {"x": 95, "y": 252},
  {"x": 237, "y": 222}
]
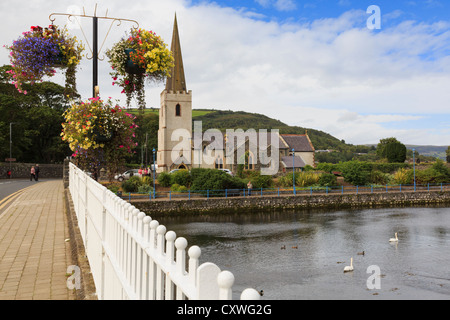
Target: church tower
[{"x": 175, "y": 115}]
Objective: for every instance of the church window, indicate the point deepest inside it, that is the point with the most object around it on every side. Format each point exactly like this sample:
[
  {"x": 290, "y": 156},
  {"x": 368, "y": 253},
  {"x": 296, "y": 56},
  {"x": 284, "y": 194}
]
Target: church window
[{"x": 178, "y": 111}]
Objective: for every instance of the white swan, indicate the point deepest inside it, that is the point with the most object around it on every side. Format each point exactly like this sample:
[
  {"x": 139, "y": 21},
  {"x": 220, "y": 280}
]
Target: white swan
[
  {"x": 394, "y": 239},
  {"x": 350, "y": 267}
]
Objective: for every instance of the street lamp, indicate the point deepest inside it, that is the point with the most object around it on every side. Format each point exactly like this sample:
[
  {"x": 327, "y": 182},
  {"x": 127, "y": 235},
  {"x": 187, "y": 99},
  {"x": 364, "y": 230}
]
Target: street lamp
[
  {"x": 153, "y": 169},
  {"x": 293, "y": 170},
  {"x": 10, "y": 147},
  {"x": 414, "y": 166}
]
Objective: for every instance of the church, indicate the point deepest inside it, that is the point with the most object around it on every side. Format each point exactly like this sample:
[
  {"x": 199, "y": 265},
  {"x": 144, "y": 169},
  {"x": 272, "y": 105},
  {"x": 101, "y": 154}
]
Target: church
[{"x": 181, "y": 147}]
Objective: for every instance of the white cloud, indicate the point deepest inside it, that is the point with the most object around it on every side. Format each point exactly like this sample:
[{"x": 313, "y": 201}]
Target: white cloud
[{"x": 310, "y": 74}]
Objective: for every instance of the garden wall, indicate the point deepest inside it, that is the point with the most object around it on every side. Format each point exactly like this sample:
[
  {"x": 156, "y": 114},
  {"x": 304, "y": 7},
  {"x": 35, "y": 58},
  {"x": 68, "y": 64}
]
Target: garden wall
[
  {"x": 258, "y": 204},
  {"x": 22, "y": 170}
]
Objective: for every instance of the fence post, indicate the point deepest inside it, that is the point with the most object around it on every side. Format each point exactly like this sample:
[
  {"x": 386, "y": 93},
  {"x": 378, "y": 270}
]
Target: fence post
[
  {"x": 261, "y": 191},
  {"x": 189, "y": 194},
  {"x": 326, "y": 188},
  {"x": 386, "y": 188},
  {"x": 180, "y": 244},
  {"x": 342, "y": 189},
  {"x": 207, "y": 194},
  {"x": 226, "y": 193},
  {"x": 371, "y": 189},
  {"x": 310, "y": 190},
  {"x": 278, "y": 191},
  {"x": 244, "y": 192},
  {"x": 400, "y": 187},
  {"x": 170, "y": 194},
  {"x": 225, "y": 281},
  {"x": 194, "y": 253},
  {"x": 356, "y": 189}
]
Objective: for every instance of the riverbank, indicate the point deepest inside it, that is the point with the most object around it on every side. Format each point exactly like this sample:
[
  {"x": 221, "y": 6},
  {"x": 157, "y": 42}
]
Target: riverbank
[{"x": 270, "y": 204}]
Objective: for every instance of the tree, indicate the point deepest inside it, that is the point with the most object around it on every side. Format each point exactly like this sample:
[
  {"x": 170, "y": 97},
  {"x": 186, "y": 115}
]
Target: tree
[
  {"x": 36, "y": 119},
  {"x": 395, "y": 152},
  {"x": 381, "y": 147}
]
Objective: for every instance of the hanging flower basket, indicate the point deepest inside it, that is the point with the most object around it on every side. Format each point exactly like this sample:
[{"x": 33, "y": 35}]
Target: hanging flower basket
[
  {"x": 39, "y": 52},
  {"x": 131, "y": 67},
  {"x": 139, "y": 56},
  {"x": 99, "y": 133}
]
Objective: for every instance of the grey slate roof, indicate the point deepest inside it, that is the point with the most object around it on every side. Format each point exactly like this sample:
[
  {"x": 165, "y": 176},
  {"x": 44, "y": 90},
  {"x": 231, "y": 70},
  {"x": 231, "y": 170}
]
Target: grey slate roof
[
  {"x": 300, "y": 143},
  {"x": 287, "y": 161}
]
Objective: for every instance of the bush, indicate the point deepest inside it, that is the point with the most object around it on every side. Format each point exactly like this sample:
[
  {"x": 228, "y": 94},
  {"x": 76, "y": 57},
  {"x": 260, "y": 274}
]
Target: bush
[
  {"x": 438, "y": 173},
  {"x": 403, "y": 176},
  {"x": 378, "y": 177},
  {"x": 164, "y": 179},
  {"x": 262, "y": 181},
  {"x": 302, "y": 179},
  {"x": 144, "y": 189},
  {"x": 210, "y": 179},
  {"x": 132, "y": 184},
  {"x": 177, "y": 188},
  {"x": 327, "y": 180},
  {"x": 181, "y": 177},
  {"x": 356, "y": 172}
]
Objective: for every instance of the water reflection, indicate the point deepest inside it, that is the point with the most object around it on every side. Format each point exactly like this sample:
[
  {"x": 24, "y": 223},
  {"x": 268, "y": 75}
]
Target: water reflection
[{"x": 301, "y": 255}]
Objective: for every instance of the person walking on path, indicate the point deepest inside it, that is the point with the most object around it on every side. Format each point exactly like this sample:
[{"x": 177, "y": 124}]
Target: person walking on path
[
  {"x": 33, "y": 174},
  {"x": 250, "y": 187},
  {"x": 36, "y": 172}
]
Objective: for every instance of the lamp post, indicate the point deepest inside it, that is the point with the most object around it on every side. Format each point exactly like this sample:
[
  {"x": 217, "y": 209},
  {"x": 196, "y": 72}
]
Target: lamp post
[
  {"x": 414, "y": 166},
  {"x": 293, "y": 170},
  {"x": 154, "y": 173},
  {"x": 10, "y": 148}
]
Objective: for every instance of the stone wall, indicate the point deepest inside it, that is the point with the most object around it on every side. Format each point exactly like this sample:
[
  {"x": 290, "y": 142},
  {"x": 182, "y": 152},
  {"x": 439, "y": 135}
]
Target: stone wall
[
  {"x": 22, "y": 170},
  {"x": 258, "y": 204}
]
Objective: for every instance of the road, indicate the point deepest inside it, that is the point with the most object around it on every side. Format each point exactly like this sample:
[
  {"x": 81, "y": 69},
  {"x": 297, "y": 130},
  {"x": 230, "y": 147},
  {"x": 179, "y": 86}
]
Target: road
[
  {"x": 11, "y": 189},
  {"x": 8, "y": 187}
]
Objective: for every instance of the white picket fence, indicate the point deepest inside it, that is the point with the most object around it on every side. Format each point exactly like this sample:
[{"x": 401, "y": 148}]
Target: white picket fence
[{"x": 134, "y": 257}]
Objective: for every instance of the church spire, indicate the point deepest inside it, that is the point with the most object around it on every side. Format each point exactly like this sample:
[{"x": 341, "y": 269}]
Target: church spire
[{"x": 176, "y": 81}]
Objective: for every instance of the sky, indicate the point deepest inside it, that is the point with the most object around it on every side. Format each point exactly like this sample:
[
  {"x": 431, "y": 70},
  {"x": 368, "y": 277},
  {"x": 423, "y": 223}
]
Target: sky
[{"x": 359, "y": 70}]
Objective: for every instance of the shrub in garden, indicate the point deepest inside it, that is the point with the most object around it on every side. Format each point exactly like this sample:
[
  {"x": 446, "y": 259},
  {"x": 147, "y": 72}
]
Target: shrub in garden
[
  {"x": 164, "y": 179},
  {"x": 132, "y": 184},
  {"x": 403, "y": 176},
  {"x": 355, "y": 172},
  {"x": 302, "y": 179},
  {"x": 181, "y": 177},
  {"x": 378, "y": 177},
  {"x": 327, "y": 180},
  {"x": 210, "y": 179},
  {"x": 144, "y": 189}
]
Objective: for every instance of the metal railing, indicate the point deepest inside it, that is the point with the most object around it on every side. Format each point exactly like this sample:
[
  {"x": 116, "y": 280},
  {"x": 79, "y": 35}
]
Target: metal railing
[{"x": 278, "y": 192}]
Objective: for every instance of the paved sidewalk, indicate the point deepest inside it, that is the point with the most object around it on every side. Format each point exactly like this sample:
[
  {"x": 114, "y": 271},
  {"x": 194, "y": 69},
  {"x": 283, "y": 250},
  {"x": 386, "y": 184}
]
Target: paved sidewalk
[{"x": 34, "y": 255}]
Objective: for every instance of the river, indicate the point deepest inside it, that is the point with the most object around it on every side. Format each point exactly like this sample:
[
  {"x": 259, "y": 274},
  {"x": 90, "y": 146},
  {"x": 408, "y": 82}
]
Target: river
[{"x": 319, "y": 244}]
